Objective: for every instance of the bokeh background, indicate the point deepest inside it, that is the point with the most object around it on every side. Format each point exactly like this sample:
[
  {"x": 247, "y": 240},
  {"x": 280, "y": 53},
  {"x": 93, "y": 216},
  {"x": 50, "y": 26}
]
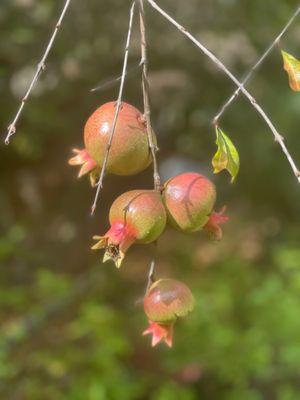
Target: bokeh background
[{"x": 71, "y": 326}]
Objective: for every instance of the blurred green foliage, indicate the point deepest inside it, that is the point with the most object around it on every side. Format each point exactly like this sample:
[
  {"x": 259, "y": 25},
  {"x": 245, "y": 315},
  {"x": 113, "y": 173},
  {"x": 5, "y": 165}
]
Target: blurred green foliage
[{"x": 70, "y": 326}]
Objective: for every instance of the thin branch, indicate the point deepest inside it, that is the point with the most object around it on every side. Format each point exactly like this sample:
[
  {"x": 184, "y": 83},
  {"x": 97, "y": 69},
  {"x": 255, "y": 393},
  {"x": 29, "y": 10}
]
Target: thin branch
[
  {"x": 145, "y": 86},
  {"x": 40, "y": 68},
  {"x": 118, "y": 107},
  {"x": 234, "y": 96},
  {"x": 278, "y": 138},
  {"x": 151, "y": 275},
  {"x": 111, "y": 82}
]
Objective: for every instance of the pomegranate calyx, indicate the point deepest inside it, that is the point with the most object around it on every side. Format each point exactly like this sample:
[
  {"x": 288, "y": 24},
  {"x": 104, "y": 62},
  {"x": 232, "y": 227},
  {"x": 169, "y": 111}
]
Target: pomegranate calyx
[
  {"x": 116, "y": 241},
  {"x": 83, "y": 158},
  {"x": 160, "y": 333},
  {"x": 213, "y": 225}
]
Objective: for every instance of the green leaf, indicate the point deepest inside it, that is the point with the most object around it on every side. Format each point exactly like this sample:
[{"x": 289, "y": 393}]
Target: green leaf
[
  {"x": 292, "y": 67},
  {"x": 226, "y": 156}
]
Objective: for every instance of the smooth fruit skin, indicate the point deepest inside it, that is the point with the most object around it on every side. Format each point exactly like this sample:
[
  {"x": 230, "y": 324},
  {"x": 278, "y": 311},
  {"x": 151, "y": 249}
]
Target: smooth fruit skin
[
  {"x": 164, "y": 302},
  {"x": 129, "y": 153},
  {"x": 189, "y": 199},
  {"x": 168, "y": 299},
  {"x": 137, "y": 216}
]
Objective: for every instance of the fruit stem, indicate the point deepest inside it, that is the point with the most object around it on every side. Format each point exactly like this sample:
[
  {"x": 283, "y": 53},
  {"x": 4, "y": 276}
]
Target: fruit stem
[
  {"x": 151, "y": 275},
  {"x": 118, "y": 107},
  {"x": 146, "y": 98}
]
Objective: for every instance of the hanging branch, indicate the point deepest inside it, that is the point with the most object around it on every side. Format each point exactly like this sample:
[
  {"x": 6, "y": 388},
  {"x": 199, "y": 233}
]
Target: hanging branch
[
  {"x": 234, "y": 96},
  {"x": 145, "y": 86},
  {"x": 118, "y": 106},
  {"x": 40, "y": 68},
  {"x": 278, "y": 138}
]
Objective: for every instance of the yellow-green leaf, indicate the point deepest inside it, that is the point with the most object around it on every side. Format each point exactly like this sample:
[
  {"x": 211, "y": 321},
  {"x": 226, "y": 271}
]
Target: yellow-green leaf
[
  {"x": 226, "y": 156},
  {"x": 292, "y": 67}
]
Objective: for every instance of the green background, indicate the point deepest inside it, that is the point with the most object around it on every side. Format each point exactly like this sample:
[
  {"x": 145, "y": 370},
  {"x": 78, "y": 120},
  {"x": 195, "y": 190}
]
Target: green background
[{"x": 71, "y": 326}]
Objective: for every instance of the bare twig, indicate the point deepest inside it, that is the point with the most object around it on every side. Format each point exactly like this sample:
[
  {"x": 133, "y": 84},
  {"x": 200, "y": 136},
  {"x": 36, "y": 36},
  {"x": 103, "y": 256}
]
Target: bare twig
[
  {"x": 110, "y": 82},
  {"x": 278, "y": 138},
  {"x": 145, "y": 86},
  {"x": 234, "y": 96},
  {"x": 118, "y": 106},
  {"x": 151, "y": 275},
  {"x": 40, "y": 68}
]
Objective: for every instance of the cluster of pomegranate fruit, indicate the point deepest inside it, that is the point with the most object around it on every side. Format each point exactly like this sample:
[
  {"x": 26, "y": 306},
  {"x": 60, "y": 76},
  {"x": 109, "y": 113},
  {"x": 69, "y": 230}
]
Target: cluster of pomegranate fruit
[{"x": 185, "y": 202}]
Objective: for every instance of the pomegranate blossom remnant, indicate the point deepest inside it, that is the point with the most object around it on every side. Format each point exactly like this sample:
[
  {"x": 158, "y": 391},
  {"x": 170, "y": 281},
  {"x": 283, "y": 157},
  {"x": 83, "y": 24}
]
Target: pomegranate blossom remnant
[
  {"x": 137, "y": 216},
  {"x": 189, "y": 199},
  {"x": 164, "y": 302},
  {"x": 129, "y": 153}
]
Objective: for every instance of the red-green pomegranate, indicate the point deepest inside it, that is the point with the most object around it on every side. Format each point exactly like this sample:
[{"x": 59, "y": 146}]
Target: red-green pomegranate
[
  {"x": 137, "y": 216},
  {"x": 164, "y": 302},
  {"x": 189, "y": 199},
  {"x": 129, "y": 152}
]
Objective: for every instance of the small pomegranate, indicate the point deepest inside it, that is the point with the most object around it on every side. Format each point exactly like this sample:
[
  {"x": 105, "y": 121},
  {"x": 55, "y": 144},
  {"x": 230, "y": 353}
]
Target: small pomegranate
[
  {"x": 189, "y": 199},
  {"x": 129, "y": 153},
  {"x": 164, "y": 302},
  {"x": 137, "y": 216}
]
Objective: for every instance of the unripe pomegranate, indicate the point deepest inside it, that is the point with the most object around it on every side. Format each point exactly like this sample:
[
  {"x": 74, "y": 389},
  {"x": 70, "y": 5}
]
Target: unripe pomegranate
[
  {"x": 189, "y": 199},
  {"x": 164, "y": 302},
  {"x": 129, "y": 153},
  {"x": 137, "y": 216}
]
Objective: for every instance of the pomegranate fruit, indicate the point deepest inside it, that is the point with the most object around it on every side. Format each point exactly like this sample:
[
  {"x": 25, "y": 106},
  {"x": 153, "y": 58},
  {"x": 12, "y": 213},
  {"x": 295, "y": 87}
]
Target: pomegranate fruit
[
  {"x": 164, "y": 302},
  {"x": 137, "y": 216},
  {"x": 129, "y": 153},
  {"x": 189, "y": 199}
]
